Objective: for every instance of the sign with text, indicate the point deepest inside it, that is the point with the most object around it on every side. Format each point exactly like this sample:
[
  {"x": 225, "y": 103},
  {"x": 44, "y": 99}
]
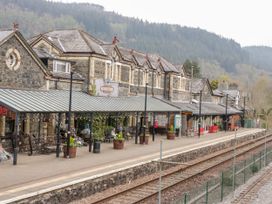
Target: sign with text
[{"x": 106, "y": 88}]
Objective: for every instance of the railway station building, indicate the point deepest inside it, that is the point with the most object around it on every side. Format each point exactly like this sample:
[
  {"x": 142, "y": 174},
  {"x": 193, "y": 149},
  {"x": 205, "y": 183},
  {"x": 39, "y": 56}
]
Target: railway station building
[{"x": 114, "y": 76}]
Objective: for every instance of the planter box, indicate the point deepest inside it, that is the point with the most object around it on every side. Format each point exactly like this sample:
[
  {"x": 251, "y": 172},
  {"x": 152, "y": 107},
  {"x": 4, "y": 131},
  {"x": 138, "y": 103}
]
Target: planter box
[
  {"x": 118, "y": 144},
  {"x": 72, "y": 151},
  {"x": 213, "y": 129},
  {"x": 171, "y": 135}
]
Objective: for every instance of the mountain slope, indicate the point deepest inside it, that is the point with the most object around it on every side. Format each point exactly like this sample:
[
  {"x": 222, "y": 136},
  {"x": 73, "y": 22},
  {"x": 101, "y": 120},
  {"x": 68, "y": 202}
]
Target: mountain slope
[{"x": 174, "y": 42}]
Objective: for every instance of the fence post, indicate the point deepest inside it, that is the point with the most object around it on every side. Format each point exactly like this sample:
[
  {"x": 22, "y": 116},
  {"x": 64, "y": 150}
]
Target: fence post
[
  {"x": 207, "y": 193},
  {"x": 260, "y": 160},
  {"x": 185, "y": 198},
  {"x": 222, "y": 187},
  {"x": 244, "y": 171},
  {"x": 160, "y": 178},
  {"x": 253, "y": 163},
  {"x": 233, "y": 177}
]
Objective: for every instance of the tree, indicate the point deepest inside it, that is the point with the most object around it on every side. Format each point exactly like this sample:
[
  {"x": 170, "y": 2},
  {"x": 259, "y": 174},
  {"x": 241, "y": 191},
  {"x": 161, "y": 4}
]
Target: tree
[
  {"x": 192, "y": 65},
  {"x": 214, "y": 84}
]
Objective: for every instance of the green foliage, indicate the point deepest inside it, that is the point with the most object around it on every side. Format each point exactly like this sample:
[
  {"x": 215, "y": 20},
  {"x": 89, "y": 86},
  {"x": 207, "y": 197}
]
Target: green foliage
[
  {"x": 98, "y": 126},
  {"x": 171, "y": 129},
  {"x": 119, "y": 136},
  {"x": 227, "y": 181},
  {"x": 214, "y": 84},
  {"x": 72, "y": 142},
  {"x": 190, "y": 66},
  {"x": 254, "y": 168}
]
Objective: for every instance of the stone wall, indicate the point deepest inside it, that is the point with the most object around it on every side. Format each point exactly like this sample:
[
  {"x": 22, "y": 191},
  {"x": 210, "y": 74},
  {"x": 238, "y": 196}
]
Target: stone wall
[
  {"x": 125, "y": 73},
  {"x": 28, "y": 74},
  {"x": 81, "y": 66},
  {"x": 123, "y": 89},
  {"x": 65, "y": 85},
  {"x": 181, "y": 95},
  {"x": 99, "y": 69},
  {"x": 87, "y": 188}
]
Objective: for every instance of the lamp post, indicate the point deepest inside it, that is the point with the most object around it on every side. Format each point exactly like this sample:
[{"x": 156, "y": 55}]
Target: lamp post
[
  {"x": 69, "y": 116},
  {"x": 191, "y": 84},
  {"x": 226, "y": 113},
  {"x": 200, "y": 103},
  {"x": 145, "y": 111}
]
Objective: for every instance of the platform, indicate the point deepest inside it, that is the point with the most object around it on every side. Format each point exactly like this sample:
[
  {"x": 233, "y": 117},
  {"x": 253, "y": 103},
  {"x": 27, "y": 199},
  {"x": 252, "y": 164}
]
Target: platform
[{"x": 42, "y": 173}]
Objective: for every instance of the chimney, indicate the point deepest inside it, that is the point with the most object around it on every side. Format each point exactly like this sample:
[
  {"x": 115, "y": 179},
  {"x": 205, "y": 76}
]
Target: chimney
[
  {"x": 115, "y": 40},
  {"x": 15, "y": 26},
  {"x": 146, "y": 57}
]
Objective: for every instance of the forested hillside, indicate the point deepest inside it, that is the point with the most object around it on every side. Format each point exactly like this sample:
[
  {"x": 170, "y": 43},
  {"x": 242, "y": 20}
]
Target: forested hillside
[
  {"x": 260, "y": 56},
  {"x": 174, "y": 42}
]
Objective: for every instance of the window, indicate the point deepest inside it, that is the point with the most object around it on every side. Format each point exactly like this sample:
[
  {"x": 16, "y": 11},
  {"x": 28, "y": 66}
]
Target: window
[
  {"x": 13, "y": 59},
  {"x": 60, "y": 66}
]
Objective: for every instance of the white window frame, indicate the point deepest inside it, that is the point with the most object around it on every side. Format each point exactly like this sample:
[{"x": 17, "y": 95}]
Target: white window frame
[{"x": 67, "y": 66}]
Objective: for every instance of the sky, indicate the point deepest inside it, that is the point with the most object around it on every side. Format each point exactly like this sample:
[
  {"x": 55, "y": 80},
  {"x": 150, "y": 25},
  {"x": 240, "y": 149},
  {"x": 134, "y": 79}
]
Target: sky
[{"x": 248, "y": 22}]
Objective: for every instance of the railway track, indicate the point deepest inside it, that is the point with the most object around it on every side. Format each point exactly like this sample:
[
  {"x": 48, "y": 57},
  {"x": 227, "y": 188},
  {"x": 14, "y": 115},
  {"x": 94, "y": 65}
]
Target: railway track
[
  {"x": 145, "y": 188},
  {"x": 249, "y": 193}
]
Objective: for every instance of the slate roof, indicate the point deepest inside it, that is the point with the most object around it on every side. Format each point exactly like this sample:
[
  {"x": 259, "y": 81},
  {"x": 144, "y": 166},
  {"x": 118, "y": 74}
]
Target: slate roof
[
  {"x": 141, "y": 58},
  {"x": 232, "y": 94},
  {"x": 167, "y": 66},
  {"x": 58, "y": 101},
  {"x": 217, "y": 93},
  {"x": 74, "y": 41},
  {"x": 198, "y": 85},
  {"x": 126, "y": 53},
  {"x": 42, "y": 52}
]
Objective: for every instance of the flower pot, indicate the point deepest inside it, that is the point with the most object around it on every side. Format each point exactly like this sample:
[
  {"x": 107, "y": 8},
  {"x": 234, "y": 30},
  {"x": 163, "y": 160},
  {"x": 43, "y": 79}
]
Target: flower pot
[
  {"x": 171, "y": 135},
  {"x": 118, "y": 144},
  {"x": 72, "y": 151},
  {"x": 144, "y": 141},
  {"x": 96, "y": 147}
]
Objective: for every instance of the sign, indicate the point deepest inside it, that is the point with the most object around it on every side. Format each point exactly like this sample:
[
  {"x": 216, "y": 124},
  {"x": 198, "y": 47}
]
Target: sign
[
  {"x": 177, "y": 122},
  {"x": 162, "y": 120},
  {"x": 3, "y": 111},
  {"x": 104, "y": 88}
]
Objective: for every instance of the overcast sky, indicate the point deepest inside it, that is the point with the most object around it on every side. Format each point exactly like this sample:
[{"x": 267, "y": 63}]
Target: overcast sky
[{"x": 246, "y": 21}]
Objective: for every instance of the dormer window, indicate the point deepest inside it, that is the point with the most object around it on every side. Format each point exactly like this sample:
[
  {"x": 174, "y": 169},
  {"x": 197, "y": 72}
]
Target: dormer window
[{"x": 61, "y": 66}]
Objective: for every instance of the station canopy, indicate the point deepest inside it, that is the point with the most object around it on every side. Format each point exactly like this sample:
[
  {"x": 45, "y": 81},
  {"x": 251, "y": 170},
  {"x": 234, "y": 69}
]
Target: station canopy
[
  {"x": 57, "y": 101},
  {"x": 207, "y": 108}
]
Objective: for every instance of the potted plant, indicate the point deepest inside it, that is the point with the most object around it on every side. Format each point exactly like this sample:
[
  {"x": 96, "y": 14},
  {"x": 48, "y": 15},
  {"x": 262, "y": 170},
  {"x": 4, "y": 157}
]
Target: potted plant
[
  {"x": 98, "y": 137},
  {"x": 119, "y": 141},
  {"x": 171, "y": 133},
  {"x": 72, "y": 148}
]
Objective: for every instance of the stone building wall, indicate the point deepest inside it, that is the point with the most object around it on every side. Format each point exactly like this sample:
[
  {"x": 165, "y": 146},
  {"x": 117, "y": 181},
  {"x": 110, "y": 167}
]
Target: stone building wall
[
  {"x": 181, "y": 95},
  {"x": 28, "y": 74},
  {"x": 65, "y": 85},
  {"x": 125, "y": 73},
  {"x": 99, "y": 69}
]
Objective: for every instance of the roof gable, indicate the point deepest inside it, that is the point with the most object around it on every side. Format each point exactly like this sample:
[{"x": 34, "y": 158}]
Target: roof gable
[
  {"x": 6, "y": 35},
  {"x": 72, "y": 41}
]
